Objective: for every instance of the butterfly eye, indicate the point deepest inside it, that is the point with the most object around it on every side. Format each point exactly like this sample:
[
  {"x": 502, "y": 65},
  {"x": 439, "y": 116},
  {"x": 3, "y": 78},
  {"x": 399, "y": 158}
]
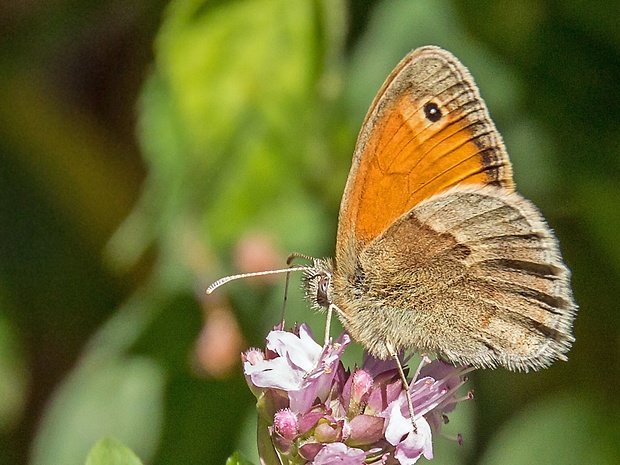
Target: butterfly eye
[
  {"x": 321, "y": 291},
  {"x": 432, "y": 112}
]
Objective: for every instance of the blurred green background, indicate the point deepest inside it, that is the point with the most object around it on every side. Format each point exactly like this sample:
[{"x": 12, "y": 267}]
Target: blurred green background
[{"x": 147, "y": 148}]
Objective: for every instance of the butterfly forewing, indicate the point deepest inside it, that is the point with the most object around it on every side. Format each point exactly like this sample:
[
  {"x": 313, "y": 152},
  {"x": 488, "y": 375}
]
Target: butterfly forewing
[{"x": 426, "y": 131}]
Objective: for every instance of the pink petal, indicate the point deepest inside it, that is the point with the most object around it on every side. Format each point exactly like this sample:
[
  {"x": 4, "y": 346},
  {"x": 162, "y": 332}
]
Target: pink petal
[
  {"x": 339, "y": 453},
  {"x": 415, "y": 445},
  {"x": 302, "y": 351},
  {"x": 275, "y": 374},
  {"x": 397, "y": 425}
]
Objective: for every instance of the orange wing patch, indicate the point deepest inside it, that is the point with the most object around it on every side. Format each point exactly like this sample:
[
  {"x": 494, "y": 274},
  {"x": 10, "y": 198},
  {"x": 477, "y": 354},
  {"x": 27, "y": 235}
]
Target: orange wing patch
[{"x": 403, "y": 158}]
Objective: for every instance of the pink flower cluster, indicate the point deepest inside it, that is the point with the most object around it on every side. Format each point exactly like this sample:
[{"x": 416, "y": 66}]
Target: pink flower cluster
[{"x": 312, "y": 410}]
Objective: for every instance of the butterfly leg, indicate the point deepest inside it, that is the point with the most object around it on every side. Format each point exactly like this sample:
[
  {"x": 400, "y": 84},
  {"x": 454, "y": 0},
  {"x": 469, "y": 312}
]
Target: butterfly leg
[
  {"x": 403, "y": 378},
  {"x": 328, "y": 322}
]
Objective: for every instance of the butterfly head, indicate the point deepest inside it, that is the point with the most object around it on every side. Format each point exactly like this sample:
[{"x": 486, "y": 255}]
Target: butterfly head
[{"x": 317, "y": 283}]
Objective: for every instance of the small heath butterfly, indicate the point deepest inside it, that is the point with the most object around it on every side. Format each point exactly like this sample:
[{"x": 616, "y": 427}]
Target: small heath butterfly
[{"x": 436, "y": 251}]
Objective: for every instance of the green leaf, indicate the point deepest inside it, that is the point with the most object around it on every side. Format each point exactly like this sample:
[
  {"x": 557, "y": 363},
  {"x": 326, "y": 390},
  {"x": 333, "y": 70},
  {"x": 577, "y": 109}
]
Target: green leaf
[
  {"x": 237, "y": 110},
  {"x": 119, "y": 397},
  {"x": 238, "y": 459},
  {"x": 109, "y": 451}
]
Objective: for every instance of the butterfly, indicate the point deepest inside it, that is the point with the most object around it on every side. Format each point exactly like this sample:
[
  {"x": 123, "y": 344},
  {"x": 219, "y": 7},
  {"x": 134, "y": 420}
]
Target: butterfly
[{"x": 435, "y": 250}]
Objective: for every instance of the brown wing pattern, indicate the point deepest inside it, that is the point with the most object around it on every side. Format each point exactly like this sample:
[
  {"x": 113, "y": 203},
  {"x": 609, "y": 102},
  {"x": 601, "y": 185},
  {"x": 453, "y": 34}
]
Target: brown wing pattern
[{"x": 473, "y": 274}]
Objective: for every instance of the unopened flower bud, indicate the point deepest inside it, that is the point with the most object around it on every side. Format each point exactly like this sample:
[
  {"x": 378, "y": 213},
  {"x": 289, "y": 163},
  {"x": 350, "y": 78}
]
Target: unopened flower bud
[
  {"x": 362, "y": 384},
  {"x": 360, "y": 390},
  {"x": 285, "y": 424}
]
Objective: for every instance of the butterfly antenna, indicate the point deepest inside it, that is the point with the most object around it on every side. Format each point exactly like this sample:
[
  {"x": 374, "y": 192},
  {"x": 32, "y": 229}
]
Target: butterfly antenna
[
  {"x": 227, "y": 279},
  {"x": 295, "y": 255}
]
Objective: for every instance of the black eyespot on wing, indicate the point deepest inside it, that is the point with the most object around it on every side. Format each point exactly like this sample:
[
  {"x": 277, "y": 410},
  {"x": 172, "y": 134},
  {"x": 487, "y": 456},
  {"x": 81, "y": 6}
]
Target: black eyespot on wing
[{"x": 432, "y": 112}]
